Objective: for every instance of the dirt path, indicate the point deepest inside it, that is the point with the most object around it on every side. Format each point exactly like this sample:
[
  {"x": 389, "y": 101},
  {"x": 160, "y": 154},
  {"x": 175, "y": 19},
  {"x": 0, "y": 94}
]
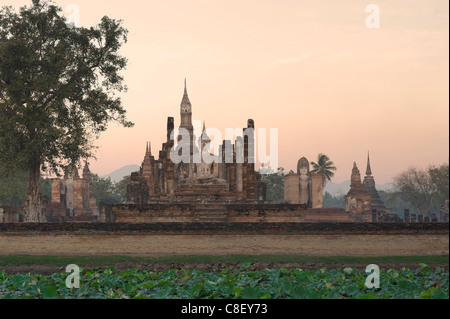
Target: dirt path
[
  {"x": 170, "y": 245},
  {"x": 173, "y": 245}
]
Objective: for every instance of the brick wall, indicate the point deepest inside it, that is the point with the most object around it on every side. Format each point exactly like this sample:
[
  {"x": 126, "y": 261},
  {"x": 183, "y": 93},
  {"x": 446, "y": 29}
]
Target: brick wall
[
  {"x": 267, "y": 213},
  {"x": 328, "y": 215},
  {"x": 185, "y": 213},
  {"x": 163, "y": 213},
  {"x": 230, "y": 228},
  {"x": 317, "y": 190},
  {"x": 292, "y": 188}
]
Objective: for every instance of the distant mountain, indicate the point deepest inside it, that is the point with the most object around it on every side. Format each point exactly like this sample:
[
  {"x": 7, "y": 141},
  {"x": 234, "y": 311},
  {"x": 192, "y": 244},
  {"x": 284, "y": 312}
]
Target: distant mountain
[
  {"x": 385, "y": 187},
  {"x": 337, "y": 189},
  {"x": 117, "y": 175},
  {"x": 340, "y": 189}
]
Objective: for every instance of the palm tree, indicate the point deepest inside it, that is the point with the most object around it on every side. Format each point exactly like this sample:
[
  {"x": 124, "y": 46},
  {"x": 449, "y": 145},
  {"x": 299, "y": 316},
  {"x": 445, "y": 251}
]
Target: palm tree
[{"x": 323, "y": 166}]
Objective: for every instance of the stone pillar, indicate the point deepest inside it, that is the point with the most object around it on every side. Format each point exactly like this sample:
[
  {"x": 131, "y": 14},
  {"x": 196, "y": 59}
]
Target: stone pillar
[
  {"x": 170, "y": 166},
  {"x": 427, "y": 219},
  {"x": 2, "y": 215},
  {"x": 420, "y": 218},
  {"x": 407, "y": 216},
  {"x": 292, "y": 188},
  {"x": 240, "y": 177},
  {"x": 227, "y": 159},
  {"x": 56, "y": 194},
  {"x": 249, "y": 160},
  {"x": 69, "y": 197},
  {"x": 102, "y": 213},
  {"x": 78, "y": 196},
  {"x": 374, "y": 216},
  {"x": 251, "y": 181},
  {"x": 220, "y": 165},
  {"x": 317, "y": 190},
  {"x": 86, "y": 193},
  {"x": 443, "y": 213},
  {"x": 413, "y": 218},
  {"x": 241, "y": 167},
  {"x": 93, "y": 206},
  {"x": 232, "y": 173}
]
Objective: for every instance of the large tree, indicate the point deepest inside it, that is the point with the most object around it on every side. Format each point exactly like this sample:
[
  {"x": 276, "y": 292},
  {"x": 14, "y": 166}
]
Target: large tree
[
  {"x": 440, "y": 177},
  {"x": 416, "y": 187},
  {"x": 323, "y": 166},
  {"x": 59, "y": 87}
]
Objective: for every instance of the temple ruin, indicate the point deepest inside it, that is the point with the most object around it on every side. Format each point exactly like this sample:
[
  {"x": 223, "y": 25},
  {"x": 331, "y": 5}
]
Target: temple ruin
[
  {"x": 225, "y": 180},
  {"x": 357, "y": 199},
  {"x": 303, "y": 187},
  {"x": 369, "y": 186},
  {"x": 72, "y": 199}
]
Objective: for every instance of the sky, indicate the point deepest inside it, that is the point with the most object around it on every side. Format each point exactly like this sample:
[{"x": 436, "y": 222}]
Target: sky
[{"x": 314, "y": 70}]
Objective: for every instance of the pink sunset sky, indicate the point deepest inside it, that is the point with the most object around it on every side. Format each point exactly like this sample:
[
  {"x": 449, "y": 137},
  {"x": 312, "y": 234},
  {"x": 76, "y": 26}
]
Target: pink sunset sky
[{"x": 312, "y": 69}]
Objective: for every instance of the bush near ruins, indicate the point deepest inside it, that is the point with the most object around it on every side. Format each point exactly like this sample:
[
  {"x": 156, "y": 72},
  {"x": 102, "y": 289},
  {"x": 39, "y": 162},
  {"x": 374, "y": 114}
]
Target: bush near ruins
[{"x": 274, "y": 185}]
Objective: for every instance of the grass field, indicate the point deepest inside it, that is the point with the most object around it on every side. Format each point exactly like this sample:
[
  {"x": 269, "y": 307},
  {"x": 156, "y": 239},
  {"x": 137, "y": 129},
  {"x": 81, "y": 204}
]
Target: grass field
[{"x": 100, "y": 260}]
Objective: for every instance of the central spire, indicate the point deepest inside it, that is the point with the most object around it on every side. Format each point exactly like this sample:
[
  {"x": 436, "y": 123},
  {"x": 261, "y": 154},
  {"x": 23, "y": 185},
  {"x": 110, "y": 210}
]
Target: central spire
[
  {"x": 186, "y": 111},
  {"x": 185, "y": 103},
  {"x": 368, "y": 170}
]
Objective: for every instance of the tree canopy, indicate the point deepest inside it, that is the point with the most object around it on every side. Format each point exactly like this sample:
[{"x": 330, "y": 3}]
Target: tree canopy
[
  {"x": 59, "y": 88},
  {"x": 425, "y": 189},
  {"x": 323, "y": 166}
]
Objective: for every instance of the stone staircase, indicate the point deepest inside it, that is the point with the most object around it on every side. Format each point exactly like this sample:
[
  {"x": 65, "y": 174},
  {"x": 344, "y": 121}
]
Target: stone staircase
[{"x": 211, "y": 213}]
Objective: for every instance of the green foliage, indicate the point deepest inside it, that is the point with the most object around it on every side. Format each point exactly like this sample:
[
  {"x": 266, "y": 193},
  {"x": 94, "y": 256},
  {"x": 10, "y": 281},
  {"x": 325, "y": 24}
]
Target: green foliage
[
  {"x": 13, "y": 187},
  {"x": 274, "y": 185},
  {"x": 323, "y": 166},
  {"x": 45, "y": 185},
  {"x": 332, "y": 201},
  {"x": 395, "y": 203},
  {"x": 425, "y": 190},
  {"x": 440, "y": 178},
  {"x": 59, "y": 87},
  {"x": 272, "y": 283},
  {"x": 120, "y": 188},
  {"x": 52, "y": 101},
  {"x": 105, "y": 191}
]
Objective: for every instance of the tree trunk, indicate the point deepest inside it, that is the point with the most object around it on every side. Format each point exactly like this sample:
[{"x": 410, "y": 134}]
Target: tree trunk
[{"x": 34, "y": 204}]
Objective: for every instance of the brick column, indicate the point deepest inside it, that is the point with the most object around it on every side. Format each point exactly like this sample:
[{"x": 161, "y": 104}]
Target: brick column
[
  {"x": 374, "y": 216},
  {"x": 170, "y": 166},
  {"x": 56, "y": 195},
  {"x": 407, "y": 216},
  {"x": 317, "y": 190},
  {"x": 232, "y": 173},
  {"x": 292, "y": 188}
]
